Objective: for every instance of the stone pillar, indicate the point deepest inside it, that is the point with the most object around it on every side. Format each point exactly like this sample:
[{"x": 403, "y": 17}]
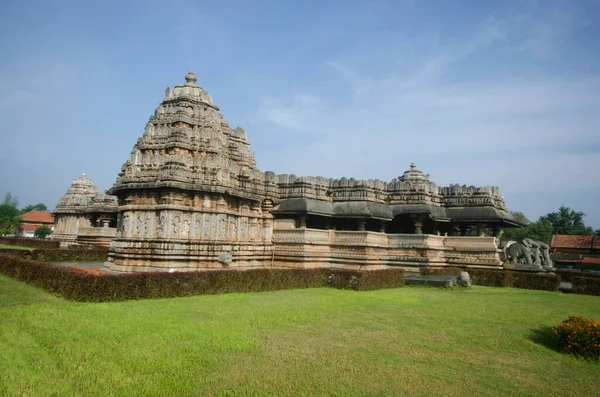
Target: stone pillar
[
  {"x": 418, "y": 224},
  {"x": 418, "y": 227},
  {"x": 268, "y": 229},
  {"x": 362, "y": 225},
  {"x": 481, "y": 230},
  {"x": 302, "y": 222},
  {"x": 105, "y": 222}
]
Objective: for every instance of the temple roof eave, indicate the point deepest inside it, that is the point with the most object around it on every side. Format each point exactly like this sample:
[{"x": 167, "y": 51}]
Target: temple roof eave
[
  {"x": 373, "y": 210},
  {"x": 120, "y": 189}
]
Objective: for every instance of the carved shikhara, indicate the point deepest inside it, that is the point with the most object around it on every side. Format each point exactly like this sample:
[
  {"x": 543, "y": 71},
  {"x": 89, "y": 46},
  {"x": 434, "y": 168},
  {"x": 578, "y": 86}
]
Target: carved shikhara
[
  {"x": 84, "y": 215},
  {"x": 191, "y": 193}
]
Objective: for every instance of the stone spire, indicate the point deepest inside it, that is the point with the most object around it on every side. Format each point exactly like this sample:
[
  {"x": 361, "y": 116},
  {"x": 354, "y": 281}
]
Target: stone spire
[
  {"x": 414, "y": 175},
  {"x": 79, "y": 194},
  {"x": 187, "y": 143}
]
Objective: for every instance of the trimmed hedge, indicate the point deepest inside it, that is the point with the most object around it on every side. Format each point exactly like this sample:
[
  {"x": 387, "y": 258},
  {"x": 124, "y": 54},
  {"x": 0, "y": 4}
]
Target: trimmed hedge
[
  {"x": 366, "y": 280},
  {"x": 491, "y": 278},
  {"x": 60, "y": 255},
  {"x": 81, "y": 285},
  {"x": 439, "y": 271},
  {"x": 568, "y": 275},
  {"x": 30, "y": 242},
  {"x": 501, "y": 278},
  {"x": 539, "y": 281},
  {"x": 586, "y": 285}
]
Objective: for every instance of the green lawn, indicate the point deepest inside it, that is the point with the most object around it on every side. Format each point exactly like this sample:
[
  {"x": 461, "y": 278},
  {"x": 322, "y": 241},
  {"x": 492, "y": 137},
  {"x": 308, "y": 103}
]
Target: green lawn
[
  {"x": 406, "y": 341},
  {"x": 15, "y": 247}
]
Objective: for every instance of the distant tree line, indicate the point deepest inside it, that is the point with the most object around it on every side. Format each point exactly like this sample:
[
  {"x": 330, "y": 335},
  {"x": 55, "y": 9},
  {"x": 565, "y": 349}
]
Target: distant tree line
[
  {"x": 10, "y": 215},
  {"x": 564, "y": 221}
]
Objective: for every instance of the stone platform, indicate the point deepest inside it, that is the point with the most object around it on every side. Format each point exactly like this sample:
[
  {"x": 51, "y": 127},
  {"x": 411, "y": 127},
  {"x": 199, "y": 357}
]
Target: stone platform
[{"x": 434, "y": 281}]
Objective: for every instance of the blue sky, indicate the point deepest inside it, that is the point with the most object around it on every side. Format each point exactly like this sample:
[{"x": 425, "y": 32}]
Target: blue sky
[{"x": 500, "y": 93}]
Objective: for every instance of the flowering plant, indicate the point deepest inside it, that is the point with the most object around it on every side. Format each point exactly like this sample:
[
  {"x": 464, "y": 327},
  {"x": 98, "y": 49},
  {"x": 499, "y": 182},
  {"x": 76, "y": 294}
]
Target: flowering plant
[{"x": 579, "y": 336}]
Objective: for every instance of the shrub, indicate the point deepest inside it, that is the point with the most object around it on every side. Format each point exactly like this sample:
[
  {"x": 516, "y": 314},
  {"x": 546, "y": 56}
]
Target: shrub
[
  {"x": 365, "y": 280},
  {"x": 537, "y": 281},
  {"x": 42, "y": 231},
  {"x": 30, "y": 242},
  {"x": 21, "y": 253},
  {"x": 491, "y": 278},
  {"x": 380, "y": 279},
  {"x": 87, "y": 285},
  {"x": 568, "y": 275},
  {"x": 60, "y": 255},
  {"x": 579, "y": 336},
  {"x": 70, "y": 255},
  {"x": 586, "y": 285},
  {"x": 440, "y": 271},
  {"x": 501, "y": 278}
]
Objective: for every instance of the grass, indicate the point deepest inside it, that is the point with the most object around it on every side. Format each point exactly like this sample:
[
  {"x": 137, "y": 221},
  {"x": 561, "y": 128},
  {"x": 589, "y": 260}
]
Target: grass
[
  {"x": 406, "y": 341},
  {"x": 15, "y": 247}
]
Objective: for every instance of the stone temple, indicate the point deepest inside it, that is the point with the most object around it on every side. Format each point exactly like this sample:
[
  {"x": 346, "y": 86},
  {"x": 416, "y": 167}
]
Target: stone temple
[
  {"x": 84, "y": 215},
  {"x": 191, "y": 198}
]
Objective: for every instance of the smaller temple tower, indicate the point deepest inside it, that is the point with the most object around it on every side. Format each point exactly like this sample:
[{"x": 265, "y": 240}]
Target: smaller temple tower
[{"x": 84, "y": 215}]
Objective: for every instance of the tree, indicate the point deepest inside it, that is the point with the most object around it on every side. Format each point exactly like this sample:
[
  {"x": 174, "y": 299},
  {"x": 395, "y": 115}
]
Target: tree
[
  {"x": 565, "y": 221},
  {"x": 36, "y": 207},
  {"x": 517, "y": 233},
  {"x": 9, "y": 215},
  {"x": 42, "y": 231}
]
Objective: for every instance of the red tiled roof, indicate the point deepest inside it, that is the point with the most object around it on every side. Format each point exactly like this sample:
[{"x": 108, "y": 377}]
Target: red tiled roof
[
  {"x": 564, "y": 241},
  {"x": 37, "y": 217},
  {"x": 590, "y": 259},
  {"x": 28, "y": 227},
  {"x": 596, "y": 242}
]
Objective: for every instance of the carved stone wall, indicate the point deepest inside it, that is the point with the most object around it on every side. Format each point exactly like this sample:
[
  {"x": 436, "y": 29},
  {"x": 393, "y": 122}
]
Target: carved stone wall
[{"x": 370, "y": 250}]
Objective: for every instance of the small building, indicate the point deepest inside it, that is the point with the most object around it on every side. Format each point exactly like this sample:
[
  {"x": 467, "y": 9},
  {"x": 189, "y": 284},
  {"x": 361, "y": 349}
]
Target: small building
[
  {"x": 31, "y": 220},
  {"x": 575, "y": 252}
]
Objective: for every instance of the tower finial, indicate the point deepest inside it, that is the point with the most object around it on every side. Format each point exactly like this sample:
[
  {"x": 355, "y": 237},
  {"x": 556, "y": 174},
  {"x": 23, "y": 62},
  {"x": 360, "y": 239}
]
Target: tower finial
[{"x": 190, "y": 78}]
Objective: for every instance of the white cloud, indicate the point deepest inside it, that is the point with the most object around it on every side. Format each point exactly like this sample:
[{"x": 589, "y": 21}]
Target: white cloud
[{"x": 295, "y": 112}]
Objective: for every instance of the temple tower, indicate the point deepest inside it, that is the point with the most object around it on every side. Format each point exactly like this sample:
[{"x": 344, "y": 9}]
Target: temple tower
[
  {"x": 83, "y": 208},
  {"x": 190, "y": 197}
]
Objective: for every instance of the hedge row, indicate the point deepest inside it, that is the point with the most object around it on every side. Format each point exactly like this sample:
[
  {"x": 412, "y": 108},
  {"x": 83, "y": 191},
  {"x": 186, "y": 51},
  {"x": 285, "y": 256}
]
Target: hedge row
[
  {"x": 568, "y": 275},
  {"x": 79, "y": 285},
  {"x": 365, "y": 280},
  {"x": 501, "y": 278},
  {"x": 586, "y": 285},
  {"x": 30, "y": 242},
  {"x": 59, "y": 255}
]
